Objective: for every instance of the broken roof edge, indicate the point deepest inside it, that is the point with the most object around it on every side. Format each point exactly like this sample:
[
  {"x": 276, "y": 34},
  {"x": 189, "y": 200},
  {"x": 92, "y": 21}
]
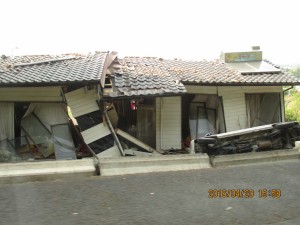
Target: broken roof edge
[{"x": 109, "y": 59}]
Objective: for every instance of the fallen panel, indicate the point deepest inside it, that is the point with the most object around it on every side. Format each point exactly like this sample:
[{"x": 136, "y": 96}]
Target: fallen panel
[
  {"x": 63, "y": 142},
  {"x": 135, "y": 141}
]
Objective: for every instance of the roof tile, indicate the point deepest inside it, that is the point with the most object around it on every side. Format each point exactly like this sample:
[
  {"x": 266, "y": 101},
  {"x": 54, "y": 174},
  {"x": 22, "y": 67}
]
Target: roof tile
[
  {"x": 160, "y": 75},
  {"x": 51, "y": 68}
]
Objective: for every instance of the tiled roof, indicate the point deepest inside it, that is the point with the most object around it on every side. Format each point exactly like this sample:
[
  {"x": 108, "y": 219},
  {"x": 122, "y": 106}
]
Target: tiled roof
[
  {"x": 49, "y": 69},
  {"x": 144, "y": 76},
  {"x": 138, "y": 74}
]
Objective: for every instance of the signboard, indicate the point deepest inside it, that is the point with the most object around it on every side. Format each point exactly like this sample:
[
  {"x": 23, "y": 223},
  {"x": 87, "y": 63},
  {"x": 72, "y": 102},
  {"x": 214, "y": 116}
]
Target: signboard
[{"x": 243, "y": 56}]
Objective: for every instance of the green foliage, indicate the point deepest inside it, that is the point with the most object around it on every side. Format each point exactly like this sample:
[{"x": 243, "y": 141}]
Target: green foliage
[
  {"x": 292, "y": 106},
  {"x": 291, "y": 115}
]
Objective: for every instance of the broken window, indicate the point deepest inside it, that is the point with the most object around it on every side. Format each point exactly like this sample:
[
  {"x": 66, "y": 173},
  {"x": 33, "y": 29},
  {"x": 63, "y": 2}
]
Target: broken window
[
  {"x": 205, "y": 115},
  {"x": 263, "y": 108}
]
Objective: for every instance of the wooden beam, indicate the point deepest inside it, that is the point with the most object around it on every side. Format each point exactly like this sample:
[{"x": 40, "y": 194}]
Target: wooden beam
[
  {"x": 114, "y": 134},
  {"x": 136, "y": 141}
]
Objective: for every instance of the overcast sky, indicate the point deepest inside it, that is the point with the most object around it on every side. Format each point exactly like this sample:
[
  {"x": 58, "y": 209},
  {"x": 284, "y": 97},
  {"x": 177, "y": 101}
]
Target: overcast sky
[{"x": 187, "y": 29}]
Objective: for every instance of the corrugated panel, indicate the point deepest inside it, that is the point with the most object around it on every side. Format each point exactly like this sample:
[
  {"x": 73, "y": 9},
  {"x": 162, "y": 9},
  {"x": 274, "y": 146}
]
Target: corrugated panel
[
  {"x": 97, "y": 132},
  {"x": 82, "y": 102},
  {"x": 170, "y": 123},
  {"x": 31, "y": 94}
]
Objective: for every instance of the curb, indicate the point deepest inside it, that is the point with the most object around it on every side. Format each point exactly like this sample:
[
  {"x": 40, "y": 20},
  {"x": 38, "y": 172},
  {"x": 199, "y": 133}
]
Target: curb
[
  {"x": 254, "y": 157},
  {"x": 43, "y": 171},
  {"x": 133, "y": 165}
]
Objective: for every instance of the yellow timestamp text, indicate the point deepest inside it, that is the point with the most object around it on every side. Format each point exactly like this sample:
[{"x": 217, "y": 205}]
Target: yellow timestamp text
[{"x": 244, "y": 193}]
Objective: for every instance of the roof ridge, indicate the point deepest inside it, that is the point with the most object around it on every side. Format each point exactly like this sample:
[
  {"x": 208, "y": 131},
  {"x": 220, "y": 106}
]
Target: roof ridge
[
  {"x": 173, "y": 59},
  {"x": 44, "y": 61}
]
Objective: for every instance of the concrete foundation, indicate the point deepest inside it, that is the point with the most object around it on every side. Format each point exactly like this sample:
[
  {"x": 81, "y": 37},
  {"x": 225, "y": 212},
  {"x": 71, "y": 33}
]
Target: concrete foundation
[{"x": 132, "y": 165}]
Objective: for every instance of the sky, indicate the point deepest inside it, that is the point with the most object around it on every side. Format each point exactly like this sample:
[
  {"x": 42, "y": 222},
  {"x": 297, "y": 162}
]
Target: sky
[{"x": 186, "y": 29}]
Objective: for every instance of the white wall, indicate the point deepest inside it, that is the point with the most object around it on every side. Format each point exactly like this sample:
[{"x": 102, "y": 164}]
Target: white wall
[
  {"x": 168, "y": 123},
  {"x": 234, "y": 101}
]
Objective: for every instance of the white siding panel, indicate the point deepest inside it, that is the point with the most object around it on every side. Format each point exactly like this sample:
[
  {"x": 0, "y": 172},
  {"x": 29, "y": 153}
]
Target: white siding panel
[
  {"x": 82, "y": 102},
  {"x": 95, "y": 133},
  {"x": 170, "y": 123},
  {"x": 31, "y": 94}
]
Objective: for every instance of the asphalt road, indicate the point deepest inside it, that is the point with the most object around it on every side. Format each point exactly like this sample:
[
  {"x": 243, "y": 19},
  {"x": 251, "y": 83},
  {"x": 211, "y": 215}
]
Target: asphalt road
[{"x": 186, "y": 197}]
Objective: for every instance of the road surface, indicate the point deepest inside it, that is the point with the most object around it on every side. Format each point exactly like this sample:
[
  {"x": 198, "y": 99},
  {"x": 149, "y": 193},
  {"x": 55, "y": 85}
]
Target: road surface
[{"x": 233, "y": 195}]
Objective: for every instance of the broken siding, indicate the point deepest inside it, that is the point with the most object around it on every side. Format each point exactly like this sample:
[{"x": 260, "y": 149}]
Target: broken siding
[
  {"x": 94, "y": 133},
  {"x": 235, "y": 105},
  {"x": 82, "y": 102},
  {"x": 168, "y": 123},
  {"x": 31, "y": 94}
]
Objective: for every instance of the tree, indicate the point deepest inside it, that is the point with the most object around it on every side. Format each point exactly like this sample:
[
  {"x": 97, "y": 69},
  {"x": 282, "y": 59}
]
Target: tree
[{"x": 292, "y": 106}]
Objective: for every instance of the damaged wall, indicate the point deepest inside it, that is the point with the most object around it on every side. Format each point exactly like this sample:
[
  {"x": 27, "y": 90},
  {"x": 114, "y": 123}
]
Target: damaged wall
[
  {"x": 235, "y": 104},
  {"x": 234, "y": 101}
]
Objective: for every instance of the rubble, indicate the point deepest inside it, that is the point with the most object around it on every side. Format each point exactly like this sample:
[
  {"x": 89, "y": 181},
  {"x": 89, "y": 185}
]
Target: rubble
[{"x": 256, "y": 139}]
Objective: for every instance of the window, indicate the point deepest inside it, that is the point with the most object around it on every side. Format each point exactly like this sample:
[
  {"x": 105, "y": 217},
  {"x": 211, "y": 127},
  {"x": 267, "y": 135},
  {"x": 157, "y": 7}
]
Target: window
[{"x": 264, "y": 108}]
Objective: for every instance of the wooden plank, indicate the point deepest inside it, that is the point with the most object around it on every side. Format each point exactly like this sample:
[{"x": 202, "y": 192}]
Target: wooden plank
[
  {"x": 94, "y": 133},
  {"x": 135, "y": 141}
]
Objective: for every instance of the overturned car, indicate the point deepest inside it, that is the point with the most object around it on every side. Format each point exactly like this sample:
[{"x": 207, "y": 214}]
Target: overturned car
[{"x": 261, "y": 138}]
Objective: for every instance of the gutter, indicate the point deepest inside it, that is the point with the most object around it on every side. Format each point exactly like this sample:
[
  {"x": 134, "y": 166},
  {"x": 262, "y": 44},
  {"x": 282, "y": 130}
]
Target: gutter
[{"x": 288, "y": 89}]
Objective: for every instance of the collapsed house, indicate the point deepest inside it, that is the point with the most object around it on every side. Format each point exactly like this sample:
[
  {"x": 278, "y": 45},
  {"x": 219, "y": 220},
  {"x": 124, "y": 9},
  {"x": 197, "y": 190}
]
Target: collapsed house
[
  {"x": 71, "y": 106},
  {"x": 214, "y": 97}
]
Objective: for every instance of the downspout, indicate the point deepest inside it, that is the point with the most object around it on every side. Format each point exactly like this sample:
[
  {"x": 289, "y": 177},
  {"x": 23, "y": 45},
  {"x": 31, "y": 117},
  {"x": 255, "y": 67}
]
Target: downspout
[
  {"x": 283, "y": 105},
  {"x": 161, "y": 128},
  {"x": 288, "y": 89}
]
